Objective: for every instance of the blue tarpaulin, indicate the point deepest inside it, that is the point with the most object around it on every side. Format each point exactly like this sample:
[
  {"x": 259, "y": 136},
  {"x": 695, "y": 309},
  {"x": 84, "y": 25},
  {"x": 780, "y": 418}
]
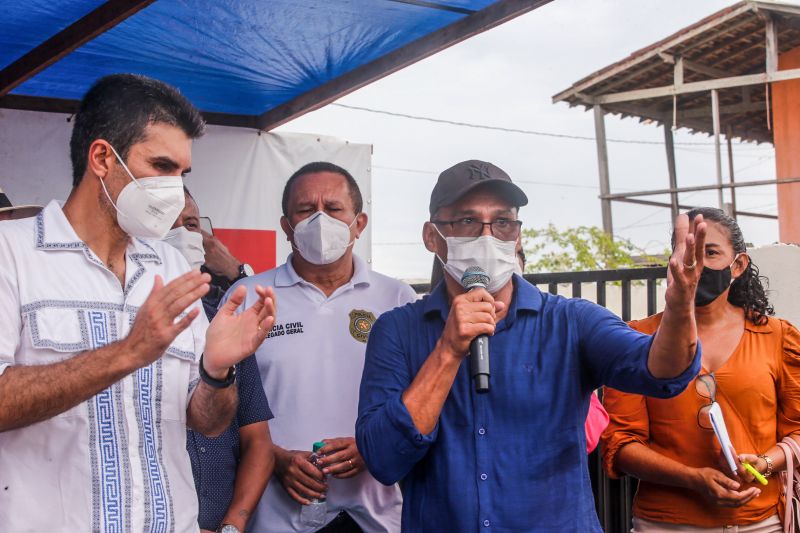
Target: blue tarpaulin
[{"x": 240, "y": 57}]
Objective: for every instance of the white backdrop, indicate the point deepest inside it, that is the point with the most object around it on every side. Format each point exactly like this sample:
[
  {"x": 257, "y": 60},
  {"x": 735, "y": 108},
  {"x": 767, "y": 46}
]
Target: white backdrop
[{"x": 237, "y": 174}]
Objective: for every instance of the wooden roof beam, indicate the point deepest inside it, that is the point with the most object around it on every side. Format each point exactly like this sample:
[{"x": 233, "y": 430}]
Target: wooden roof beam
[
  {"x": 735, "y": 109},
  {"x": 696, "y": 120},
  {"x": 771, "y": 45},
  {"x": 70, "y": 38},
  {"x": 720, "y": 32},
  {"x": 775, "y": 7},
  {"x": 711, "y": 72},
  {"x": 674, "y": 41},
  {"x": 697, "y": 86}
]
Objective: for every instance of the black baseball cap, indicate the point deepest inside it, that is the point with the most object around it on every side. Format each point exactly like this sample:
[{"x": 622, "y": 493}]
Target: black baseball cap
[
  {"x": 20, "y": 211},
  {"x": 463, "y": 177}
]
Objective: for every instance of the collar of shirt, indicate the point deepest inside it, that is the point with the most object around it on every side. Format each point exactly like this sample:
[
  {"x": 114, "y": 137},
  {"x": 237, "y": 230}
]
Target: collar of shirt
[
  {"x": 288, "y": 276},
  {"x": 54, "y": 232},
  {"x": 526, "y": 297},
  {"x": 766, "y": 327}
]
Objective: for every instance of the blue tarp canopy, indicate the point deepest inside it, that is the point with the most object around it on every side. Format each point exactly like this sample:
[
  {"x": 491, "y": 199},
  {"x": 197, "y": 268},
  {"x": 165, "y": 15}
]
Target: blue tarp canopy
[{"x": 255, "y": 63}]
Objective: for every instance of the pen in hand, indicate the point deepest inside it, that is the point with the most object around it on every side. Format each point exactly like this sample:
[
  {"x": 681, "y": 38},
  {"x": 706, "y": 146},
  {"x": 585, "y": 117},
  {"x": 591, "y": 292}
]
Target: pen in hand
[{"x": 761, "y": 479}]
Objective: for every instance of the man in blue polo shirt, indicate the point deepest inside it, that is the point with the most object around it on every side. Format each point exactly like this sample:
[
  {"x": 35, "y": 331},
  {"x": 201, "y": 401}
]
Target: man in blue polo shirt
[
  {"x": 231, "y": 470},
  {"x": 512, "y": 459}
]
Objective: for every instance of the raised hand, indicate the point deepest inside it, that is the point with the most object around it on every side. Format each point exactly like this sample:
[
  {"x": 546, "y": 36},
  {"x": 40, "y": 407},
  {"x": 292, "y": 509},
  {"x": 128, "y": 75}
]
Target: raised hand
[
  {"x": 231, "y": 337},
  {"x": 155, "y": 326},
  {"x": 219, "y": 259},
  {"x": 686, "y": 262}
]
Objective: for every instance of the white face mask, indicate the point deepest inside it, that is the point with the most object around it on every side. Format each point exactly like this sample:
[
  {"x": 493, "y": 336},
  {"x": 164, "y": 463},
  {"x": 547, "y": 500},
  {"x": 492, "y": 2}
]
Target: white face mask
[
  {"x": 147, "y": 207},
  {"x": 189, "y": 244},
  {"x": 322, "y": 239},
  {"x": 498, "y": 258}
]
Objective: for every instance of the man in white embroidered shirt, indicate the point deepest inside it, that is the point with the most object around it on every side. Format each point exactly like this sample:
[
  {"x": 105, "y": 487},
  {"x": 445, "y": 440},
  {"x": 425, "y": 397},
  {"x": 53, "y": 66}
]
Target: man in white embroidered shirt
[{"x": 101, "y": 330}]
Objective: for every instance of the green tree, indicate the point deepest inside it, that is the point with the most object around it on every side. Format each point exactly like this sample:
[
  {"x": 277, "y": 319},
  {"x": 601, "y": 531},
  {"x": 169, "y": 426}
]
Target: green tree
[{"x": 550, "y": 249}]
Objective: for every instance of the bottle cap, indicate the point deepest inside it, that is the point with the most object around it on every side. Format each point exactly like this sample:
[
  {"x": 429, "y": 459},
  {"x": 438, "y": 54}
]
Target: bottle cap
[{"x": 317, "y": 446}]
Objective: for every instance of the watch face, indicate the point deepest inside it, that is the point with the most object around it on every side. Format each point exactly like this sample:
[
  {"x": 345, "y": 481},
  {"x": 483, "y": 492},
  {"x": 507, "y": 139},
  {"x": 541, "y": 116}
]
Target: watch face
[
  {"x": 227, "y": 528},
  {"x": 248, "y": 270}
]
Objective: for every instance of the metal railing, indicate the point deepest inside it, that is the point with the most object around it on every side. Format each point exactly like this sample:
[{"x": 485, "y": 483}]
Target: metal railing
[{"x": 613, "y": 497}]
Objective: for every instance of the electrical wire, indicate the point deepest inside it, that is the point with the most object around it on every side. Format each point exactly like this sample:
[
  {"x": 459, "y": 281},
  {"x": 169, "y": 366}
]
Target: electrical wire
[
  {"x": 508, "y": 130},
  {"x": 522, "y": 180}
]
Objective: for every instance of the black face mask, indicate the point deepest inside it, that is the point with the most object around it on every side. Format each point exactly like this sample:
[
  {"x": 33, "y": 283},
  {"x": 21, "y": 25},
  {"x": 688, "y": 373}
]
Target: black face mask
[{"x": 712, "y": 283}]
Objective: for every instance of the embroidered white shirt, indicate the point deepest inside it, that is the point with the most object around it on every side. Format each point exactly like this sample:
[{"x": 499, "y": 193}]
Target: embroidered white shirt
[
  {"x": 311, "y": 364},
  {"x": 116, "y": 462}
]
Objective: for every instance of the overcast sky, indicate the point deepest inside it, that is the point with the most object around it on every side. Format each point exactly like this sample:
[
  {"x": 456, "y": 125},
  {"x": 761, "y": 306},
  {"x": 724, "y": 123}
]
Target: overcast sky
[{"x": 506, "y": 77}]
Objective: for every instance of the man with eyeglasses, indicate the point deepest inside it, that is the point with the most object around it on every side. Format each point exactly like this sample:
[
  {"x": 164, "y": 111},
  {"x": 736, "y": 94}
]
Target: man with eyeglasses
[
  {"x": 512, "y": 459},
  {"x": 230, "y": 470}
]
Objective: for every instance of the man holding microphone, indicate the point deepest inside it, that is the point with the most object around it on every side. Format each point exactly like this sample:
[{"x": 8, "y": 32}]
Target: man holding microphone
[{"x": 513, "y": 457}]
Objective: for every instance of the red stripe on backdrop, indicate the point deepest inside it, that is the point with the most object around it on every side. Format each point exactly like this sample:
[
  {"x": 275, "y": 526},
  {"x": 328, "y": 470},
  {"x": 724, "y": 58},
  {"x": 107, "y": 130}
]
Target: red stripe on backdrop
[{"x": 253, "y": 246}]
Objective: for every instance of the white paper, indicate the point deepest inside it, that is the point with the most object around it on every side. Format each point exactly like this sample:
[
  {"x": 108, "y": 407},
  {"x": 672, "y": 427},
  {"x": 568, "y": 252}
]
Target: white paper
[{"x": 721, "y": 431}]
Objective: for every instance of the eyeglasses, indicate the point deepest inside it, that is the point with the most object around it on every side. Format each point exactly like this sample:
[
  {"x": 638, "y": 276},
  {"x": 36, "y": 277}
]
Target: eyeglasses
[
  {"x": 504, "y": 229},
  {"x": 706, "y": 386},
  {"x": 205, "y": 225}
]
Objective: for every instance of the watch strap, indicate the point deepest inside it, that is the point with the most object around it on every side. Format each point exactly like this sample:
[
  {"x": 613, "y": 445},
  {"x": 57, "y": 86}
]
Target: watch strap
[
  {"x": 245, "y": 270},
  {"x": 217, "y": 383}
]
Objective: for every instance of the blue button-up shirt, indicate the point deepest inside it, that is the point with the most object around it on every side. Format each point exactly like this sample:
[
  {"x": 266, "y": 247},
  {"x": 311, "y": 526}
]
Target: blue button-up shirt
[{"x": 513, "y": 459}]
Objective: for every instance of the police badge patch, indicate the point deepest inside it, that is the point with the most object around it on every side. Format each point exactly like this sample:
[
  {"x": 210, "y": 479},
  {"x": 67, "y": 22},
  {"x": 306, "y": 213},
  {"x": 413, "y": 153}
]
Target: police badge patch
[{"x": 361, "y": 324}]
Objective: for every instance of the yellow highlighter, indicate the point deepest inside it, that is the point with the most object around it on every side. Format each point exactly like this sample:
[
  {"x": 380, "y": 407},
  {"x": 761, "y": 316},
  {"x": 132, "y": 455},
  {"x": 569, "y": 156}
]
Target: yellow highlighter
[{"x": 761, "y": 479}]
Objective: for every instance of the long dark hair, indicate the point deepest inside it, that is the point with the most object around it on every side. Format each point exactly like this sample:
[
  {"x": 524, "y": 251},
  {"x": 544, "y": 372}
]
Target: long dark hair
[{"x": 747, "y": 291}]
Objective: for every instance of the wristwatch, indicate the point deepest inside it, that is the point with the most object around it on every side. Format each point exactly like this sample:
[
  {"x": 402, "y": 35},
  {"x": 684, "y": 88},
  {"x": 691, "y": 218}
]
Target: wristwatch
[
  {"x": 228, "y": 528},
  {"x": 244, "y": 271},
  {"x": 217, "y": 383}
]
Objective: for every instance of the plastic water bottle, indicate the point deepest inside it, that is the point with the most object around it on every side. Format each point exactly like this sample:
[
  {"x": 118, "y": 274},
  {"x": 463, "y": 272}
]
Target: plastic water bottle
[{"x": 315, "y": 513}]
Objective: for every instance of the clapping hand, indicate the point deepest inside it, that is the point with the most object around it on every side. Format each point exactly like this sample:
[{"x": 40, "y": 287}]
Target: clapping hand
[{"x": 231, "y": 337}]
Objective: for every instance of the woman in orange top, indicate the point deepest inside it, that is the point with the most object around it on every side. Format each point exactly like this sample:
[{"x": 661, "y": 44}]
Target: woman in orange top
[{"x": 751, "y": 367}]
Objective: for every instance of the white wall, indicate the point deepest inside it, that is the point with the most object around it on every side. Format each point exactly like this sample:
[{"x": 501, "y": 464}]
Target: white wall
[
  {"x": 237, "y": 174},
  {"x": 780, "y": 263}
]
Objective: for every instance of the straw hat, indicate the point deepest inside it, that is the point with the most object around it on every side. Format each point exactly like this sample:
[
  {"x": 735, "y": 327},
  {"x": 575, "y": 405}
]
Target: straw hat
[{"x": 20, "y": 211}]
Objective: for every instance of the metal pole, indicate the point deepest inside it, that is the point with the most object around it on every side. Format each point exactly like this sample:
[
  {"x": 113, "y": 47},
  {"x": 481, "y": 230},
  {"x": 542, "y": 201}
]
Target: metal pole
[
  {"x": 728, "y": 135},
  {"x": 717, "y": 148},
  {"x": 673, "y": 175},
  {"x": 653, "y": 192},
  {"x": 602, "y": 167}
]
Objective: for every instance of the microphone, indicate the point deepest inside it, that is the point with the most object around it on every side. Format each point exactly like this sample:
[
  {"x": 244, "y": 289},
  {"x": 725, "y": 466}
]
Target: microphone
[{"x": 475, "y": 277}]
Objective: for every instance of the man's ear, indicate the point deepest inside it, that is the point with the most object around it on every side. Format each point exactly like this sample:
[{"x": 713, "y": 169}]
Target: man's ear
[
  {"x": 100, "y": 158},
  {"x": 362, "y": 219},
  {"x": 287, "y": 229},
  {"x": 430, "y": 237}
]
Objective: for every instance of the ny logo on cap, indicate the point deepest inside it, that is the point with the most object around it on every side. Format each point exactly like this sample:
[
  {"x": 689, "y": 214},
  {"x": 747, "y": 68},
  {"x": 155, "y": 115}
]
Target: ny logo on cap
[{"x": 479, "y": 171}]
